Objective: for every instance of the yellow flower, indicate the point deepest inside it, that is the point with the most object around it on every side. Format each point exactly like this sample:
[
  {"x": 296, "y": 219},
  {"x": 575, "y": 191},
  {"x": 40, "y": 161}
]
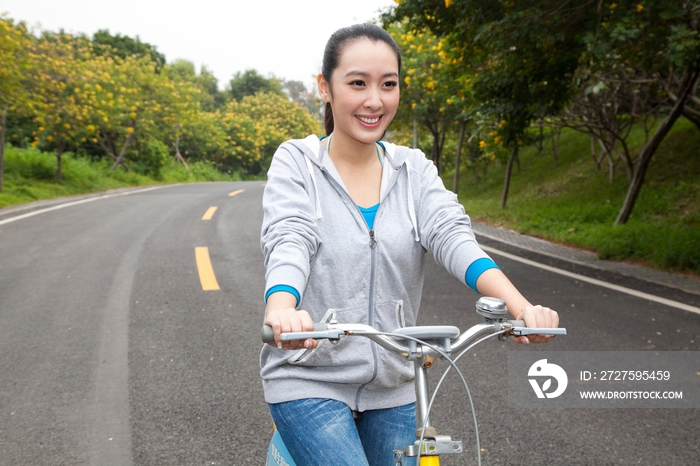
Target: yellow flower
[
  {"x": 482, "y": 144},
  {"x": 448, "y": 3},
  {"x": 129, "y": 130},
  {"x": 640, "y": 7}
]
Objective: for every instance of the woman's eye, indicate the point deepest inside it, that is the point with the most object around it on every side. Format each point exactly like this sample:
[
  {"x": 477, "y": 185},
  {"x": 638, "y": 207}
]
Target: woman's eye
[
  {"x": 391, "y": 84},
  {"x": 357, "y": 82}
]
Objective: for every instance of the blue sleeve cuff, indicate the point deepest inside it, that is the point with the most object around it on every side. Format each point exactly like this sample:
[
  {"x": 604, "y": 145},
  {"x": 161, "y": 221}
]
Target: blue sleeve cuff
[
  {"x": 286, "y": 288},
  {"x": 475, "y": 270}
]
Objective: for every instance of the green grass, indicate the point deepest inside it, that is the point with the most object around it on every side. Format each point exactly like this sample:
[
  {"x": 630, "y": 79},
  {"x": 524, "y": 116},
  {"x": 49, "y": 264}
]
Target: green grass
[
  {"x": 573, "y": 203},
  {"x": 30, "y": 175}
]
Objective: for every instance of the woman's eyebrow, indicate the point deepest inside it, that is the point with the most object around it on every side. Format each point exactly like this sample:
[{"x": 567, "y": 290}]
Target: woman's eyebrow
[{"x": 364, "y": 74}]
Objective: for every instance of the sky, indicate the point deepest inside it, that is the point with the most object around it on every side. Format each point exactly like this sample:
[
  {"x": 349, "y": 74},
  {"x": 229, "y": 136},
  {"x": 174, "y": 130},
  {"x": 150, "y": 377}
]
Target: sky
[{"x": 284, "y": 38}]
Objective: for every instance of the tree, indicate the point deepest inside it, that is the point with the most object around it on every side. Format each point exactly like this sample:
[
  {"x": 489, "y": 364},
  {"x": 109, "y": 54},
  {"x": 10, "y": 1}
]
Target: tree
[
  {"x": 521, "y": 55},
  {"x": 611, "y": 102},
  {"x": 257, "y": 125},
  {"x": 297, "y": 92},
  {"x": 530, "y": 49},
  {"x": 250, "y": 82},
  {"x": 433, "y": 89},
  {"x": 14, "y": 62},
  {"x": 663, "y": 38},
  {"x": 210, "y": 98},
  {"x": 105, "y": 43},
  {"x": 61, "y": 109}
]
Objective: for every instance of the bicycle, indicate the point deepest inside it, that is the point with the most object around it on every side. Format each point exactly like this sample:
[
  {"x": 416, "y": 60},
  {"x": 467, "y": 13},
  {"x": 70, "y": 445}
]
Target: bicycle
[{"x": 423, "y": 345}]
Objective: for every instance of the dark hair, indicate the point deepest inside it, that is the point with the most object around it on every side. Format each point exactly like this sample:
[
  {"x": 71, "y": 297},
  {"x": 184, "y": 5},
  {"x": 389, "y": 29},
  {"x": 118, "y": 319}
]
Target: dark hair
[{"x": 334, "y": 48}]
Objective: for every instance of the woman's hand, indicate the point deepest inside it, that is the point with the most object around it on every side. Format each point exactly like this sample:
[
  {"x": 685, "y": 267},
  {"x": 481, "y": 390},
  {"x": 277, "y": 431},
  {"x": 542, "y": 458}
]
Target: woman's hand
[
  {"x": 537, "y": 316},
  {"x": 290, "y": 320}
]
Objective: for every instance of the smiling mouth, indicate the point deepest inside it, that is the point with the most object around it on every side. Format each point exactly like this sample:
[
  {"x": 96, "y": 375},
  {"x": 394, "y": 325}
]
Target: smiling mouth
[{"x": 369, "y": 121}]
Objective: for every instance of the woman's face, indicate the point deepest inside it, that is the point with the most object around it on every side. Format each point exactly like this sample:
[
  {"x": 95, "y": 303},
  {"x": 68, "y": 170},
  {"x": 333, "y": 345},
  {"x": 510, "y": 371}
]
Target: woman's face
[{"x": 364, "y": 90}]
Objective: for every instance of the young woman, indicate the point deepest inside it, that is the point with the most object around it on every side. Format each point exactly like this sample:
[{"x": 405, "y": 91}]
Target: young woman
[{"x": 347, "y": 223}]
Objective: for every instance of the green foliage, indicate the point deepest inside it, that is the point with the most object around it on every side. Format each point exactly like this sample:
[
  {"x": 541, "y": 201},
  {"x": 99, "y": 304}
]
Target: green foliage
[
  {"x": 152, "y": 157},
  {"x": 113, "y": 96},
  {"x": 183, "y": 71},
  {"x": 30, "y": 175},
  {"x": 257, "y": 125},
  {"x": 250, "y": 82},
  {"x": 520, "y": 55},
  {"x": 29, "y": 164},
  {"x": 105, "y": 43},
  {"x": 574, "y": 203}
]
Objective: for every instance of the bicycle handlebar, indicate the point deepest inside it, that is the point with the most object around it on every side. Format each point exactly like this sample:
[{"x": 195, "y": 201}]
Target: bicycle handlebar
[{"x": 397, "y": 341}]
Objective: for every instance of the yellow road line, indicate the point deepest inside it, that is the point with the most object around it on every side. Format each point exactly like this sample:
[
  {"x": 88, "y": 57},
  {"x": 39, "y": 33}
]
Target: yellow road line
[
  {"x": 209, "y": 213},
  {"x": 236, "y": 192},
  {"x": 206, "y": 272}
]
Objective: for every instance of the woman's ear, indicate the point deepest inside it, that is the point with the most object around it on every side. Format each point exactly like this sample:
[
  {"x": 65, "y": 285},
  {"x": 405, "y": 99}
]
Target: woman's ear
[{"x": 324, "y": 89}]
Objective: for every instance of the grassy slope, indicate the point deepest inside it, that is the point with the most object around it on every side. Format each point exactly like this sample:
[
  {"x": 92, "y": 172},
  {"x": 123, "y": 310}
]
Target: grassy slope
[
  {"x": 573, "y": 203},
  {"x": 30, "y": 175}
]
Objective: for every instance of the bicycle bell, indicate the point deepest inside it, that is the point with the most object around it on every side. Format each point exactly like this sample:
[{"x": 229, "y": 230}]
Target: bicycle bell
[{"x": 491, "y": 308}]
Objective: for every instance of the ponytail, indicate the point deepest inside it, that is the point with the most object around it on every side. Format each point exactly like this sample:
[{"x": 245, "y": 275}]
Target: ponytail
[{"x": 328, "y": 119}]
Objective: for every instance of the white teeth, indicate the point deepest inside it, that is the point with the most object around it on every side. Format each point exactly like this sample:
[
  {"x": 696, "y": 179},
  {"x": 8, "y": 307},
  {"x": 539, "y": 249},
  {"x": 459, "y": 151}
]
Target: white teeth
[{"x": 369, "y": 121}]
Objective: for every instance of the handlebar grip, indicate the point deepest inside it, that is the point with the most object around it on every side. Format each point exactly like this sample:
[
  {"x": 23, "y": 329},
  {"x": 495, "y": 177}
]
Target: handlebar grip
[{"x": 268, "y": 336}]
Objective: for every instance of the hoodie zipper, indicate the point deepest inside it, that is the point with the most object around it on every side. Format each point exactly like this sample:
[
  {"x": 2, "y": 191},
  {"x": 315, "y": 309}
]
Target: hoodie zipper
[{"x": 373, "y": 259}]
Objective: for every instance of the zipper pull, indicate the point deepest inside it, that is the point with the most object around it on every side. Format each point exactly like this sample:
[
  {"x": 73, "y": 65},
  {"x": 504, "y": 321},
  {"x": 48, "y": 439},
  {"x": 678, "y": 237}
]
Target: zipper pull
[{"x": 372, "y": 241}]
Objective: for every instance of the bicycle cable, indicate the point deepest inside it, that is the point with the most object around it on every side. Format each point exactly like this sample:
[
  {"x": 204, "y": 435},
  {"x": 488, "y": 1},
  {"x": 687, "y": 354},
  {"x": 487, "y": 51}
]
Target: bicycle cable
[{"x": 453, "y": 364}]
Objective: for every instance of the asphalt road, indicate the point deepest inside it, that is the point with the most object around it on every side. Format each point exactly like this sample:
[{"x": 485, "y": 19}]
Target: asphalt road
[{"x": 112, "y": 354}]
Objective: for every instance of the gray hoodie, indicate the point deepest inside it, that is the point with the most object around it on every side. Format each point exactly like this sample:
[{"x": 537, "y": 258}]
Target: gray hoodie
[{"x": 315, "y": 239}]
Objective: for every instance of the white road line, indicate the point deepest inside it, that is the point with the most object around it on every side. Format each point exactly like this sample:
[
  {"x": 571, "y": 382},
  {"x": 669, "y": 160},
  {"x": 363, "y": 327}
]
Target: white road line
[
  {"x": 70, "y": 204},
  {"x": 621, "y": 289}
]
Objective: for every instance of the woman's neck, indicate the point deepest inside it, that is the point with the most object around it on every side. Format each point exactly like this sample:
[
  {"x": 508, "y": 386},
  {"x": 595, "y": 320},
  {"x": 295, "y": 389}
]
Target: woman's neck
[
  {"x": 359, "y": 167},
  {"x": 347, "y": 150}
]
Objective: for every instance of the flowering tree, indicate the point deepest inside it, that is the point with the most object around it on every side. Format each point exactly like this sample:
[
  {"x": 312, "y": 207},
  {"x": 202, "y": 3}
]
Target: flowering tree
[{"x": 14, "y": 62}]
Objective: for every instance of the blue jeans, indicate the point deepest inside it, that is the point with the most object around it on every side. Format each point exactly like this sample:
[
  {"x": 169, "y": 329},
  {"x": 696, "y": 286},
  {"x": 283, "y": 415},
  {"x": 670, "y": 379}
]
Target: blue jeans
[{"x": 322, "y": 432}]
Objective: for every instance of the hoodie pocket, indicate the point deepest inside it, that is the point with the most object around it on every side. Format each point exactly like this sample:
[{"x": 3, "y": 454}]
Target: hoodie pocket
[
  {"x": 394, "y": 370},
  {"x": 348, "y": 361},
  {"x": 400, "y": 314}
]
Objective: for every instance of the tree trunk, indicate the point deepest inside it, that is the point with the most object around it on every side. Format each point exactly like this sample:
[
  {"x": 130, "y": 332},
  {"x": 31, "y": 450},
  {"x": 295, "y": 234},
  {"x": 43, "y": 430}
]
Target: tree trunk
[
  {"x": 122, "y": 153},
  {"x": 555, "y": 145},
  {"x": 650, "y": 147},
  {"x": 692, "y": 114},
  {"x": 3, "y": 122},
  {"x": 509, "y": 171},
  {"x": 59, "y": 152},
  {"x": 462, "y": 131},
  {"x": 178, "y": 155}
]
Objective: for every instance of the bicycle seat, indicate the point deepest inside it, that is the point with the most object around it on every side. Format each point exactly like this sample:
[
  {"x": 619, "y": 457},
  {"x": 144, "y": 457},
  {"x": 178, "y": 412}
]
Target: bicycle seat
[{"x": 430, "y": 332}]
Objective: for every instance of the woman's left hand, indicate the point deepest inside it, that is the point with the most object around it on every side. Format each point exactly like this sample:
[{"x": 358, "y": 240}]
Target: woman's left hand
[{"x": 537, "y": 316}]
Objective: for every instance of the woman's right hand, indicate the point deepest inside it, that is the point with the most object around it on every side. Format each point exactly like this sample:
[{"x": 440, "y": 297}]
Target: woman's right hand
[{"x": 290, "y": 320}]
